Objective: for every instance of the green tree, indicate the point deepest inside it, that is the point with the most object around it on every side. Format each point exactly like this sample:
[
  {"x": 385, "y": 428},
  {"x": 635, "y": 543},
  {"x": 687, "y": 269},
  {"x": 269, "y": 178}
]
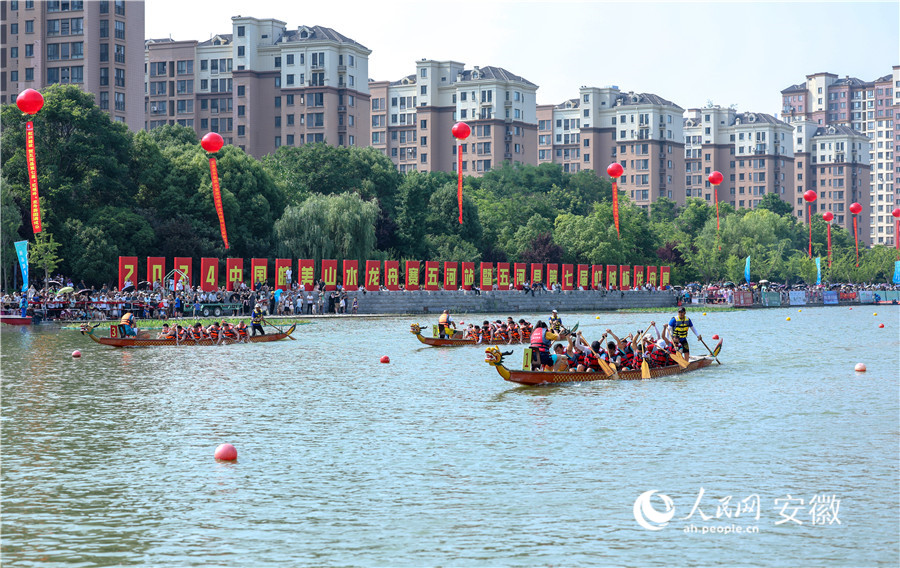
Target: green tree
[
  {"x": 775, "y": 204},
  {"x": 42, "y": 254},
  {"x": 664, "y": 210}
]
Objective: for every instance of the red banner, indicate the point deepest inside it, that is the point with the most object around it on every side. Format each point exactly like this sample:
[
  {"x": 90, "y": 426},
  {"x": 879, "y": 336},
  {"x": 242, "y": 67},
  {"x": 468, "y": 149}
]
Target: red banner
[
  {"x": 568, "y": 276},
  {"x": 468, "y": 275},
  {"x": 217, "y": 199},
  {"x": 625, "y": 277},
  {"x": 259, "y": 271},
  {"x": 183, "y": 264},
  {"x": 583, "y": 277},
  {"x": 392, "y": 274},
  {"x": 615, "y": 196},
  {"x": 351, "y": 275},
  {"x": 33, "y": 181},
  {"x": 127, "y": 270},
  {"x": 306, "y": 274},
  {"x": 432, "y": 275},
  {"x": 520, "y": 273},
  {"x": 638, "y": 277},
  {"x": 486, "y": 273},
  {"x": 451, "y": 275},
  {"x": 651, "y": 276},
  {"x": 612, "y": 277},
  {"x": 664, "y": 272},
  {"x": 373, "y": 275},
  {"x": 156, "y": 269},
  {"x": 552, "y": 275},
  {"x": 209, "y": 274},
  {"x": 597, "y": 276},
  {"x": 503, "y": 276},
  {"x": 412, "y": 274},
  {"x": 330, "y": 274},
  {"x": 282, "y": 266},
  {"x": 537, "y": 274},
  {"x": 234, "y": 273}
]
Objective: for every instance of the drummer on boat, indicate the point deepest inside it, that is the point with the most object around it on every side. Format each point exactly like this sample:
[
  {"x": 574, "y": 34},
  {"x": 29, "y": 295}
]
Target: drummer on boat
[
  {"x": 679, "y": 326},
  {"x": 445, "y": 322}
]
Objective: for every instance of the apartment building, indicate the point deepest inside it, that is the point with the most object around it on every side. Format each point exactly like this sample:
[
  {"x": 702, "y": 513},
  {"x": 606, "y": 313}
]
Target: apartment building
[
  {"x": 411, "y": 118},
  {"x": 869, "y": 108},
  {"x": 97, "y": 45},
  {"x": 753, "y": 151}
]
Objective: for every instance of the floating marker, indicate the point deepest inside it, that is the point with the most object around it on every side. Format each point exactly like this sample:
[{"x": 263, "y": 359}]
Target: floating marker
[
  {"x": 860, "y": 368},
  {"x": 716, "y": 336},
  {"x": 704, "y": 313},
  {"x": 226, "y": 452},
  {"x": 875, "y": 314},
  {"x": 788, "y": 318},
  {"x": 880, "y": 325},
  {"x": 77, "y": 353},
  {"x": 385, "y": 359},
  {"x": 598, "y": 317},
  {"x": 799, "y": 310}
]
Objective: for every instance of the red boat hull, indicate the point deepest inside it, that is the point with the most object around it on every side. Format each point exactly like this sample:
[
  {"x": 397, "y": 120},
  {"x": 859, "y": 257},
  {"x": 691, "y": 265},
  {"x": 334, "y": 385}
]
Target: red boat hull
[
  {"x": 15, "y": 320},
  {"x": 137, "y": 342}
]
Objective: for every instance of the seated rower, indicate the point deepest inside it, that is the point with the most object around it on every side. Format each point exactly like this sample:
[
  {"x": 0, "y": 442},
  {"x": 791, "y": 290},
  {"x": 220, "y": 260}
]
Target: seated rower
[
  {"x": 525, "y": 330},
  {"x": 242, "y": 331},
  {"x": 541, "y": 339},
  {"x": 214, "y": 331},
  {"x": 472, "y": 333},
  {"x": 501, "y": 334},
  {"x": 228, "y": 331},
  {"x": 166, "y": 333}
]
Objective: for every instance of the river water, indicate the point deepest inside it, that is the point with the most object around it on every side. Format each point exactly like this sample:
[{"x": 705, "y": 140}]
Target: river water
[{"x": 781, "y": 456}]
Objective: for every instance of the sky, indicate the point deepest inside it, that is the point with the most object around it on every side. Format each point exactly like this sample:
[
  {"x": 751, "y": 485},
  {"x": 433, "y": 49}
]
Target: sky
[{"x": 691, "y": 53}]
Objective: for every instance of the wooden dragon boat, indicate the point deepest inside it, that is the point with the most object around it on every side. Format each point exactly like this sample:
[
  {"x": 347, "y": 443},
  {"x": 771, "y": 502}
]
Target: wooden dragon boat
[
  {"x": 455, "y": 341},
  {"x": 115, "y": 340},
  {"x": 494, "y": 357}
]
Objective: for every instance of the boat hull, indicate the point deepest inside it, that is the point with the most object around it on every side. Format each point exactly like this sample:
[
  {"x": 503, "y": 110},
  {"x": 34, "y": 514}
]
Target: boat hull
[
  {"x": 139, "y": 342},
  {"x": 446, "y": 342},
  {"x": 15, "y": 320},
  {"x": 551, "y": 377}
]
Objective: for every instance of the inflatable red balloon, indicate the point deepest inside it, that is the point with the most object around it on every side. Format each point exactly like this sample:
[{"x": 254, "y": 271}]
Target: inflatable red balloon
[
  {"x": 810, "y": 196},
  {"x": 716, "y": 178},
  {"x": 212, "y": 142},
  {"x": 855, "y": 208},
  {"x": 461, "y": 130},
  {"x": 614, "y": 170},
  {"x": 896, "y": 212},
  {"x": 30, "y": 101},
  {"x": 828, "y": 216}
]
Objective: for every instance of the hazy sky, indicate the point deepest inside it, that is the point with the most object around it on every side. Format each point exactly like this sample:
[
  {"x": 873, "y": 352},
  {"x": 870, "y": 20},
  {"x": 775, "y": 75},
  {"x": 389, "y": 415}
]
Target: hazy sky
[{"x": 741, "y": 53}]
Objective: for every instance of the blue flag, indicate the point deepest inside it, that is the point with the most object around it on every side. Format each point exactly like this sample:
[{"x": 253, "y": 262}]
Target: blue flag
[
  {"x": 897, "y": 272},
  {"x": 818, "y": 270},
  {"x": 747, "y": 270},
  {"x": 22, "y": 252}
]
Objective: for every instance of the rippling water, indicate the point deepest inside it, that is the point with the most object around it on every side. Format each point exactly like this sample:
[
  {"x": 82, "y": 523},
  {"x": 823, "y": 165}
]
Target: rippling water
[{"x": 435, "y": 460}]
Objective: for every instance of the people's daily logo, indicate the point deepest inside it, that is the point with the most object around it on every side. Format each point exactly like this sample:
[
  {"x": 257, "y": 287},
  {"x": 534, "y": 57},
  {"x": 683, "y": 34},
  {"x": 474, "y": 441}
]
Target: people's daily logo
[{"x": 647, "y": 516}]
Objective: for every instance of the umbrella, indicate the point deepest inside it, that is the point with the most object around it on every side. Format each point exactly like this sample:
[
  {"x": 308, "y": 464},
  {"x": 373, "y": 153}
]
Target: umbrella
[
  {"x": 66, "y": 290},
  {"x": 763, "y": 281},
  {"x": 129, "y": 287}
]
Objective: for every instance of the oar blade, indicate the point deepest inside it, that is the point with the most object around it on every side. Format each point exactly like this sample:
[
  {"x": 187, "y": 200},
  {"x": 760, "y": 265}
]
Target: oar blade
[
  {"x": 645, "y": 369},
  {"x": 679, "y": 358}
]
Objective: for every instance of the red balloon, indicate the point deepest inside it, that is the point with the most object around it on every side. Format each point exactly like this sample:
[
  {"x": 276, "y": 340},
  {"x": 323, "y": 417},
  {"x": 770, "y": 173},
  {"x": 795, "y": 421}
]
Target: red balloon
[
  {"x": 614, "y": 170},
  {"x": 855, "y": 208},
  {"x": 212, "y": 142},
  {"x": 828, "y": 216},
  {"x": 461, "y": 130},
  {"x": 896, "y": 212},
  {"x": 810, "y": 196},
  {"x": 716, "y": 178},
  {"x": 30, "y": 101}
]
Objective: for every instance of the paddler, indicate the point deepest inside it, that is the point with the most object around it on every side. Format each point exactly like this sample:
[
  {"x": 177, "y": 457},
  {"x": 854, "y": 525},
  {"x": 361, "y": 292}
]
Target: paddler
[
  {"x": 445, "y": 322},
  {"x": 127, "y": 323},
  {"x": 679, "y": 326},
  {"x": 541, "y": 339}
]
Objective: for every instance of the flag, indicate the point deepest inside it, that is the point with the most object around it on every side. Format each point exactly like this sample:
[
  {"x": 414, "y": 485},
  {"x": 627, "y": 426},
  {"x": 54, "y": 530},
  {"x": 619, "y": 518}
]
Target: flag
[
  {"x": 818, "y": 270},
  {"x": 747, "y": 270},
  {"x": 897, "y": 272},
  {"x": 22, "y": 252}
]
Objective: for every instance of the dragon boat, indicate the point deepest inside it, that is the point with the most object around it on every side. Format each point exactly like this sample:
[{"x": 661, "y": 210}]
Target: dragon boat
[
  {"x": 494, "y": 357},
  {"x": 117, "y": 339},
  {"x": 456, "y": 340}
]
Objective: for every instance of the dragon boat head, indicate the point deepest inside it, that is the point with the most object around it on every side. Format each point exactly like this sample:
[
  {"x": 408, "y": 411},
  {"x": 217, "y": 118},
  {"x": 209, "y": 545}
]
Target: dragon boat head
[
  {"x": 493, "y": 356},
  {"x": 415, "y": 329}
]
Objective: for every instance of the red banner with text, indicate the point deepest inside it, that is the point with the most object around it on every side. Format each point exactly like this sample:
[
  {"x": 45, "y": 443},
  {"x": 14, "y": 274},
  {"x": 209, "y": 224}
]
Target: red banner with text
[
  {"x": 156, "y": 270},
  {"x": 552, "y": 275},
  {"x": 282, "y": 267},
  {"x": 33, "y": 181},
  {"x": 625, "y": 277},
  {"x": 259, "y": 271},
  {"x": 217, "y": 199},
  {"x": 373, "y": 275},
  {"x": 306, "y": 274},
  {"x": 612, "y": 277},
  {"x": 351, "y": 275},
  {"x": 234, "y": 273},
  {"x": 183, "y": 265},
  {"x": 597, "y": 276},
  {"x": 664, "y": 273},
  {"x": 432, "y": 275},
  {"x": 537, "y": 274},
  {"x": 486, "y": 275},
  {"x": 412, "y": 274},
  {"x": 209, "y": 274},
  {"x": 651, "y": 276},
  {"x": 568, "y": 276},
  {"x": 127, "y": 271},
  {"x": 451, "y": 276},
  {"x": 583, "y": 277},
  {"x": 468, "y": 275},
  {"x": 503, "y": 276},
  {"x": 638, "y": 278},
  {"x": 330, "y": 274},
  {"x": 392, "y": 274},
  {"x": 520, "y": 274}
]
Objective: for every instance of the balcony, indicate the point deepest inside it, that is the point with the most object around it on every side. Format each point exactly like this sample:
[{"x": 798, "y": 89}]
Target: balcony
[
  {"x": 507, "y": 137},
  {"x": 342, "y": 108},
  {"x": 342, "y": 68},
  {"x": 507, "y": 156},
  {"x": 507, "y": 104}
]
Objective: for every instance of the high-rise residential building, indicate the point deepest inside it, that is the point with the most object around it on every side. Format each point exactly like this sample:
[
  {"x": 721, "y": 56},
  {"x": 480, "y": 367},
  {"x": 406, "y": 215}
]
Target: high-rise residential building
[
  {"x": 641, "y": 131},
  {"x": 97, "y": 45},
  {"x": 412, "y": 117},
  {"x": 753, "y": 152},
  {"x": 869, "y": 108}
]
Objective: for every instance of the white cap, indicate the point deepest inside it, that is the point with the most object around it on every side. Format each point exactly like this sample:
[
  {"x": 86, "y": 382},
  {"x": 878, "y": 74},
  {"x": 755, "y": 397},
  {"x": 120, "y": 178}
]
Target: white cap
[{"x": 554, "y": 311}]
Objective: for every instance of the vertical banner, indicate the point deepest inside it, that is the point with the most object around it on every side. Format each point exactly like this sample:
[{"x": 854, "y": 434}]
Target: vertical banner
[
  {"x": 487, "y": 275},
  {"x": 282, "y": 265},
  {"x": 612, "y": 276},
  {"x": 664, "y": 273},
  {"x": 330, "y": 274},
  {"x": 217, "y": 199},
  {"x": 373, "y": 275},
  {"x": 625, "y": 277},
  {"x": 537, "y": 274},
  {"x": 306, "y": 274},
  {"x": 412, "y": 274},
  {"x": 468, "y": 275},
  {"x": 156, "y": 270},
  {"x": 520, "y": 273},
  {"x": 597, "y": 276},
  {"x": 638, "y": 278},
  {"x": 32, "y": 178},
  {"x": 615, "y": 200},
  {"x": 392, "y": 274},
  {"x": 583, "y": 277},
  {"x": 234, "y": 273},
  {"x": 552, "y": 275},
  {"x": 432, "y": 272},
  {"x": 259, "y": 271},
  {"x": 568, "y": 276},
  {"x": 747, "y": 270},
  {"x": 209, "y": 274},
  {"x": 351, "y": 275},
  {"x": 651, "y": 276},
  {"x": 22, "y": 253},
  {"x": 503, "y": 276},
  {"x": 184, "y": 265},
  {"x": 451, "y": 275},
  {"x": 127, "y": 270},
  {"x": 896, "y": 279},
  {"x": 818, "y": 271}
]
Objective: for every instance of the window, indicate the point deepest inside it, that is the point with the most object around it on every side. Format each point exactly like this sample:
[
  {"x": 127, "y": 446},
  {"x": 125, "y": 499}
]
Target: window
[
  {"x": 120, "y": 54},
  {"x": 120, "y": 77},
  {"x": 241, "y": 129},
  {"x": 240, "y": 31},
  {"x": 289, "y": 100},
  {"x": 185, "y": 67},
  {"x": 120, "y": 29},
  {"x": 29, "y": 50},
  {"x": 277, "y": 62},
  {"x": 14, "y": 28},
  {"x": 290, "y": 79},
  {"x": 277, "y": 102},
  {"x": 241, "y": 110},
  {"x": 241, "y": 51},
  {"x": 278, "y": 121},
  {"x": 29, "y": 26}
]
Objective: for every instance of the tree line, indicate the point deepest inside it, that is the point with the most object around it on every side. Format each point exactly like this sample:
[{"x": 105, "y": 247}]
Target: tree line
[{"x": 106, "y": 192}]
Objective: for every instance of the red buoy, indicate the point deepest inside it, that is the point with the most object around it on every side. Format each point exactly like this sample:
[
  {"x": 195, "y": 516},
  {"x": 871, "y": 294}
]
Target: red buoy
[
  {"x": 860, "y": 368},
  {"x": 385, "y": 359},
  {"x": 716, "y": 336},
  {"x": 226, "y": 452},
  {"x": 879, "y": 327},
  {"x": 77, "y": 353}
]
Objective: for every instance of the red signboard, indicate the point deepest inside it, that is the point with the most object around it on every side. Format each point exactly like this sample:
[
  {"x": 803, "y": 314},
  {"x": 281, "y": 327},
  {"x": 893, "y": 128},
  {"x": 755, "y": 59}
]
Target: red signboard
[
  {"x": 306, "y": 274},
  {"x": 156, "y": 269},
  {"x": 468, "y": 275},
  {"x": 373, "y": 275},
  {"x": 503, "y": 276},
  {"x": 209, "y": 274},
  {"x": 743, "y": 298},
  {"x": 184, "y": 265},
  {"x": 392, "y": 274},
  {"x": 234, "y": 273},
  {"x": 537, "y": 274},
  {"x": 451, "y": 275},
  {"x": 597, "y": 276},
  {"x": 583, "y": 277},
  {"x": 412, "y": 274},
  {"x": 612, "y": 277},
  {"x": 552, "y": 275},
  {"x": 330, "y": 274},
  {"x": 664, "y": 273},
  {"x": 625, "y": 277},
  {"x": 432, "y": 273},
  {"x": 127, "y": 270},
  {"x": 487, "y": 275},
  {"x": 282, "y": 265},
  {"x": 568, "y": 276},
  {"x": 520, "y": 271},
  {"x": 259, "y": 271},
  {"x": 638, "y": 278},
  {"x": 350, "y": 280},
  {"x": 651, "y": 276}
]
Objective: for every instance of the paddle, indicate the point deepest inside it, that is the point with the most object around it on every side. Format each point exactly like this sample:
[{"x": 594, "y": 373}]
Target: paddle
[
  {"x": 679, "y": 358},
  {"x": 645, "y": 369},
  {"x": 710, "y": 351}
]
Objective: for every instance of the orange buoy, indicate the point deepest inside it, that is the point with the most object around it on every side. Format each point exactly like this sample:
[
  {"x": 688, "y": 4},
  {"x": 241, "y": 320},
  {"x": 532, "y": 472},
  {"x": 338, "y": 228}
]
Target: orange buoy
[
  {"x": 860, "y": 368},
  {"x": 77, "y": 353},
  {"x": 385, "y": 359},
  {"x": 226, "y": 452}
]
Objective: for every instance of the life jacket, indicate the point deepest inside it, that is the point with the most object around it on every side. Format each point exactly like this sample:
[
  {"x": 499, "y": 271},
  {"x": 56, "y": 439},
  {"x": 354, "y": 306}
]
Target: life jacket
[
  {"x": 659, "y": 357},
  {"x": 127, "y": 319},
  {"x": 555, "y": 323},
  {"x": 213, "y": 332},
  {"x": 171, "y": 334},
  {"x": 526, "y": 330},
  {"x": 444, "y": 319},
  {"x": 590, "y": 360},
  {"x": 242, "y": 331},
  {"x": 257, "y": 316},
  {"x": 539, "y": 339},
  {"x": 472, "y": 334},
  {"x": 183, "y": 334},
  {"x": 229, "y": 332},
  {"x": 502, "y": 335},
  {"x": 197, "y": 333},
  {"x": 680, "y": 326}
]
